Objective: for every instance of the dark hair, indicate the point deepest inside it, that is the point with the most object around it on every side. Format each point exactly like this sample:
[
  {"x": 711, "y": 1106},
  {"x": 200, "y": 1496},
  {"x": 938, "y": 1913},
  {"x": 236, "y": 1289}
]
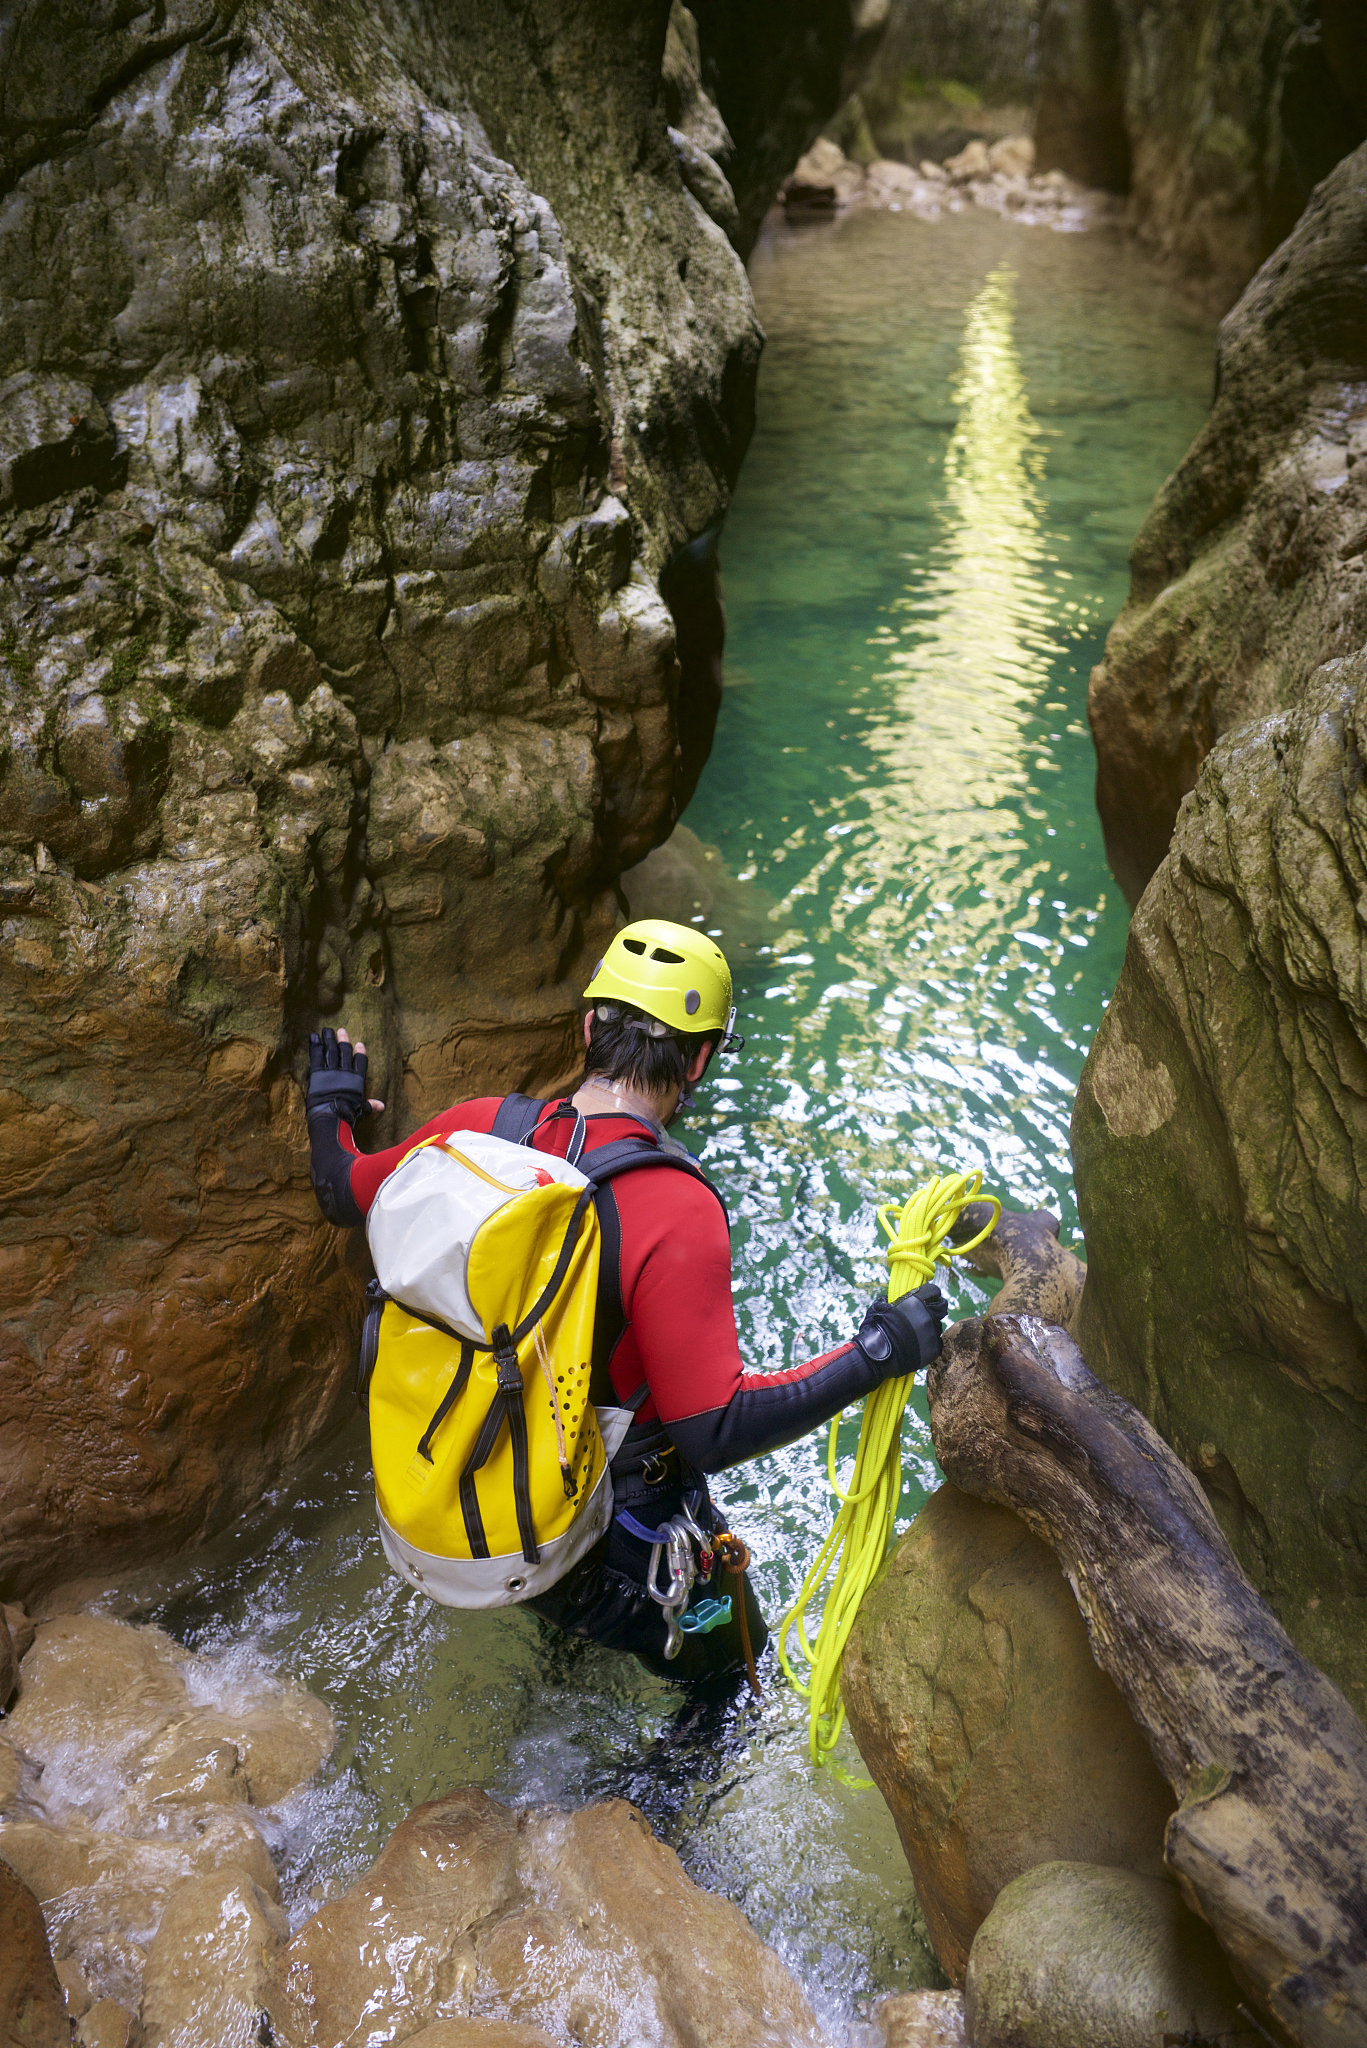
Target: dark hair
[{"x": 621, "y": 1048}]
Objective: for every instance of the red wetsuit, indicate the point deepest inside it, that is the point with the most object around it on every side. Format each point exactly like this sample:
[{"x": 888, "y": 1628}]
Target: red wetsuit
[{"x": 675, "y": 1282}]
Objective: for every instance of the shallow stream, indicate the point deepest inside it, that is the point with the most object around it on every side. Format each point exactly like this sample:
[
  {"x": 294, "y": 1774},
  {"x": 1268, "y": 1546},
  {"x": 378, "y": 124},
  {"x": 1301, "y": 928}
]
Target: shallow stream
[{"x": 961, "y": 425}]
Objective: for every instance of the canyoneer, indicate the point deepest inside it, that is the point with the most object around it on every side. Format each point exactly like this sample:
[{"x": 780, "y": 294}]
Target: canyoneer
[{"x": 550, "y": 1358}]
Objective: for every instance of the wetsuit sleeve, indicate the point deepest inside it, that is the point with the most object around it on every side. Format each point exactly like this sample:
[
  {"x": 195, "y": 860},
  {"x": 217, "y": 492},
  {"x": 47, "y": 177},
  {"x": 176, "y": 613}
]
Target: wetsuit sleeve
[
  {"x": 685, "y": 1328},
  {"x": 347, "y": 1180}
]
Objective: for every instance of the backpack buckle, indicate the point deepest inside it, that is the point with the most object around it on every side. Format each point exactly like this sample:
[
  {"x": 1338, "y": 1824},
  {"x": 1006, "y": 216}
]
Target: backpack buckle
[{"x": 505, "y": 1361}]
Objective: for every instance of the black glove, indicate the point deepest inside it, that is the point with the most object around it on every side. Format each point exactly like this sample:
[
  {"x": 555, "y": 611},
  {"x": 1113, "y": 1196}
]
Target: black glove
[
  {"x": 336, "y": 1078},
  {"x": 898, "y": 1337}
]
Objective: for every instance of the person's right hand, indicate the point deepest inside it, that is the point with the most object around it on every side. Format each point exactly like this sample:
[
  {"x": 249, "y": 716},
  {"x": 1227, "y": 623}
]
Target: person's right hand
[
  {"x": 903, "y": 1336},
  {"x": 337, "y": 1076}
]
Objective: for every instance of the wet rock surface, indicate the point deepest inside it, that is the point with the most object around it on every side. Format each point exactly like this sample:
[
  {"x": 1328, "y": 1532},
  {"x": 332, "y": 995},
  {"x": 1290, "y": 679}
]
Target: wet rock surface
[
  {"x": 362, "y": 379},
  {"x": 986, "y": 1724},
  {"x": 137, "y": 1825},
  {"x": 1251, "y": 568},
  {"x": 581, "y": 1925},
  {"x": 920, "y": 2019},
  {"x": 142, "y": 1778},
  {"x": 32, "y": 2009},
  {"x": 1224, "y": 1085},
  {"x": 1074, "y": 1955}
]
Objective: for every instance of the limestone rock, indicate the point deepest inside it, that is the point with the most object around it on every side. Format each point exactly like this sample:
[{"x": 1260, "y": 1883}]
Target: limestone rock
[
  {"x": 778, "y": 70},
  {"x": 577, "y": 1926},
  {"x": 32, "y": 2010},
  {"x": 1077, "y": 1956},
  {"x": 107, "y": 2024},
  {"x": 336, "y": 675},
  {"x": 1251, "y": 568},
  {"x": 1218, "y": 133},
  {"x": 143, "y": 1768},
  {"x": 988, "y": 1728},
  {"x": 1219, "y": 1153},
  {"x": 921, "y": 2019},
  {"x": 209, "y": 1964}
]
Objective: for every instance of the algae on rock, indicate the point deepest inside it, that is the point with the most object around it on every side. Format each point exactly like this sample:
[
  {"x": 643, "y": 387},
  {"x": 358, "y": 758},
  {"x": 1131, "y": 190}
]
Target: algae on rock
[{"x": 363, "y": 368}]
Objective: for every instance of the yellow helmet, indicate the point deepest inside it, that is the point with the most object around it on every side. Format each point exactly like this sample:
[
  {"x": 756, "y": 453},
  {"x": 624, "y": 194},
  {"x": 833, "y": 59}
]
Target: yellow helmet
[{"x": 675, "y": 974}]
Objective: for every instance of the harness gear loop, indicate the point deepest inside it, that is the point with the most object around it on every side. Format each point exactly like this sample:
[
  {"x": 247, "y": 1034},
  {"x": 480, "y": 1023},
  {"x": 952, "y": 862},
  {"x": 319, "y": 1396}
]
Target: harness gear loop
[{"x": 862, "y": 1532}]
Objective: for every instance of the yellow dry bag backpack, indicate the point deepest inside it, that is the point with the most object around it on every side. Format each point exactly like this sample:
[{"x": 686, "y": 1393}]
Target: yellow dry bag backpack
[{"x": 484, "y": 1356}]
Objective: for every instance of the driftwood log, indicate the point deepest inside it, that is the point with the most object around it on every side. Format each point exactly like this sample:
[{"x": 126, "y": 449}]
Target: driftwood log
[
  {"x": 1039, "y": 1276},
  {"x": 1267, "y": 1758}
]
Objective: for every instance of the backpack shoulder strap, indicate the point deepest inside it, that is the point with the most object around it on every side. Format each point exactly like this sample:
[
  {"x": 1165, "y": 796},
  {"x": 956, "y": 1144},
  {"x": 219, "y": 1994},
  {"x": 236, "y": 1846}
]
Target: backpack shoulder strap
[
  {"x": 517, "y": 1117},
  {"x": 629, "y": 1155}
]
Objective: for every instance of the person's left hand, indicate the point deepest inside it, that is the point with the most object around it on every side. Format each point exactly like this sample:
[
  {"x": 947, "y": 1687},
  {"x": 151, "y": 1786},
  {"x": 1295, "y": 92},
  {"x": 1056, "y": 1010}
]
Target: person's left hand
[{"x": 337, "y": 1076}]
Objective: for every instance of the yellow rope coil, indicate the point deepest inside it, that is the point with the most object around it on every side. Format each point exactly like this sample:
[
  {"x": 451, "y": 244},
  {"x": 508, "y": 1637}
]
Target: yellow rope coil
[{"x": 863, "y": 1527}]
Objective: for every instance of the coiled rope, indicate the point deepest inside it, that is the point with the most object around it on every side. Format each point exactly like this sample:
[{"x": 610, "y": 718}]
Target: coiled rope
[{"x": 863, "y": 1526}]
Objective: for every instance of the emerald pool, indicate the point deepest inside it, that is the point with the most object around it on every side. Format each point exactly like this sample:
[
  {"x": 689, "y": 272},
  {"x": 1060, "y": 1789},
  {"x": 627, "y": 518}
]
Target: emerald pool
[{"x": 961, "y": 425}]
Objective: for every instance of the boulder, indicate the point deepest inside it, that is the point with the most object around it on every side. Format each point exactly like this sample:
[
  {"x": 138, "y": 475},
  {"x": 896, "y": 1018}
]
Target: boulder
[
  {"x": 921, "y": 2019},
  {"x": 577, "y": 1925},
  {"x": 209, "y": 1964},
  {"x": 1220, "y": 1157},
  {"x": 139, "y": 1794},
  {"x": 987, "y": 1726},
  {"x": 337, "y": 679},
  {"x": 1251, "y": 568},
  {"x": 107, "y": 2024},
  {"x": 1074, "y": 1955},
  {"x": 32, "y": 2009},
  {"x": 1013, "y": 156}
]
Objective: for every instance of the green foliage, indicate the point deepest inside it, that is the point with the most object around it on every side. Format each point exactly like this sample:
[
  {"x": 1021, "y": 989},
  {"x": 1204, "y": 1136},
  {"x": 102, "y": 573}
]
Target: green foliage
[{"x": 952, "y": 91}]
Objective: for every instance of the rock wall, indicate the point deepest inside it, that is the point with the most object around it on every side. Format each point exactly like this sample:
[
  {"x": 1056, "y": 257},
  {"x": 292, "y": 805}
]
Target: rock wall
[
  {"x": 1218, "y": 1132},
  {"x": 777, "y": 72},
  {"x": 363, "y": 368},
  {"x": 1220, "y": 1149},
  {"x": 1250, "y": 569},
  {"x": 1219, "y": 120}
]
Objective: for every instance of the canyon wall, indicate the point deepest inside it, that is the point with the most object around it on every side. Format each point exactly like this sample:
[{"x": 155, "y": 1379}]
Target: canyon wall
[
  {"x": 1217, "y": 120},
  {"x": 1220, "y": 1129},
  {"x": 366, "y": 370}
]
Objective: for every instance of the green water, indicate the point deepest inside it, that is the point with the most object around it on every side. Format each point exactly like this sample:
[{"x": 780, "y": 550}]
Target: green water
[{"x": 960, "y": 427}]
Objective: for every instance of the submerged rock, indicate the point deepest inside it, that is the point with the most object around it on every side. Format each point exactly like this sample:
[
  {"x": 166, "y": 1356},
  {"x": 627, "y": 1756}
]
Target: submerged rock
[
  {"x": 1077, "y": 1956},
  {"x": 581, "y": 1924},
  {"x": 1251, "y": 568},
  {"x": 1219, "y": 1151},
  {"x": 995, "y": 1739}
]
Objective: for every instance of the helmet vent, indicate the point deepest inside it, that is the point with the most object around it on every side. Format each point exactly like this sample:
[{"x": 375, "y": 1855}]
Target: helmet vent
[
  {"x": 634, "y": 945},
  {"x": 662, "y": 953}
]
